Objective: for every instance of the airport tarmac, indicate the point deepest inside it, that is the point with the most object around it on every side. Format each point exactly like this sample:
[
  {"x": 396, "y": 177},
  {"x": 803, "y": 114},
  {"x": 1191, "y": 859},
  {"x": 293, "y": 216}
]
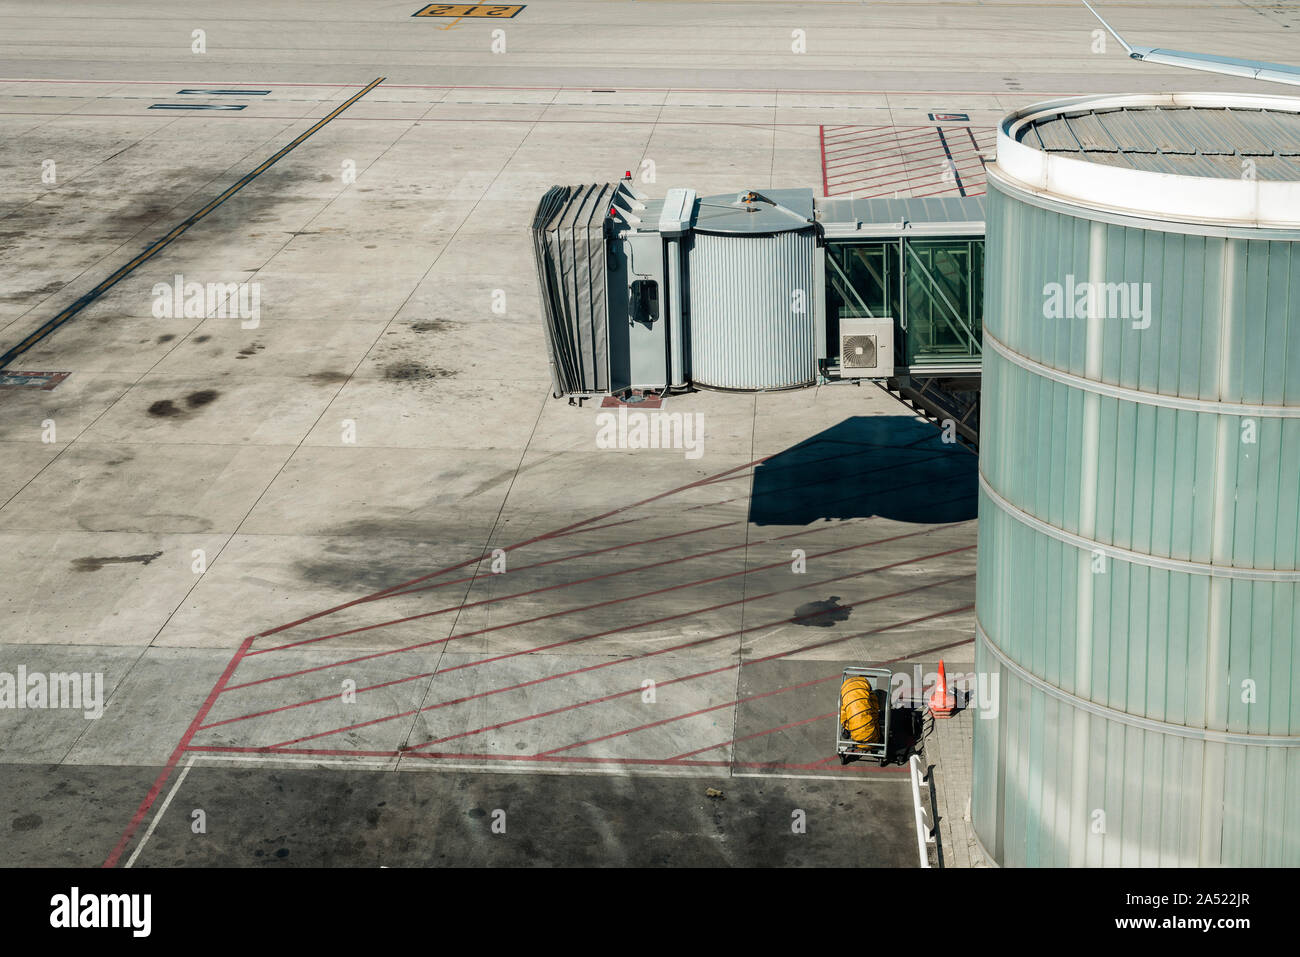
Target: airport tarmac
[{"x": 344, "y": 531}]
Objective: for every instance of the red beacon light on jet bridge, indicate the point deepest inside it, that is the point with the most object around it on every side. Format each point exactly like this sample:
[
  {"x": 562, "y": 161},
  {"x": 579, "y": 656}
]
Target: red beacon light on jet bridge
[{"x": 627, "y": 174}]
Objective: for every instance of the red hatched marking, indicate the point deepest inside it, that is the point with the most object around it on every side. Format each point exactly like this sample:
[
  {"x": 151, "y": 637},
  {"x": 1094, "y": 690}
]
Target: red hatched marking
[
  {"x": 182, "y": 747},
  {"x": 576, "y": 671},
  {"x": 775, "y": 691},
  {"x": 569, "y": 611},
  {"x": 875, "y": 162},
  {"x": 610, "y": 519}
]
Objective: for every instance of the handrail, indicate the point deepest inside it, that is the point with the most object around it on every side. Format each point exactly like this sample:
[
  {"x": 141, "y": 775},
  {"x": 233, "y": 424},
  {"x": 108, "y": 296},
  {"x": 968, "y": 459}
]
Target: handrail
[{"x": 924, "y": 829}]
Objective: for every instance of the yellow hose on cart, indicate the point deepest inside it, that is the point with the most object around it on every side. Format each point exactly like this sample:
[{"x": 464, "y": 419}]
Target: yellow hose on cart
[{"x": 860, "y": 711}]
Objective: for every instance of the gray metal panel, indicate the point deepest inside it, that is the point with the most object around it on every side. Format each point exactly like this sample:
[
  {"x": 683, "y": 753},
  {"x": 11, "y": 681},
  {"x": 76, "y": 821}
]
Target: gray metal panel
[
  {"x": 874, "y": 218},
  {"x": 569, "y": 252},
  {"x": 772, "y": 211},
  {"x": 1137, "y": 557},
  {"x": 1189, "y": 141},
  {"x": 746, "y": 332}
]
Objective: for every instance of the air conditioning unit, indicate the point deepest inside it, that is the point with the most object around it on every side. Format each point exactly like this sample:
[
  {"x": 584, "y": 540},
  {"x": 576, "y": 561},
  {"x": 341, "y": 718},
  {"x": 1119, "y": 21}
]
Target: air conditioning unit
[{"x": 866, "y": 348}]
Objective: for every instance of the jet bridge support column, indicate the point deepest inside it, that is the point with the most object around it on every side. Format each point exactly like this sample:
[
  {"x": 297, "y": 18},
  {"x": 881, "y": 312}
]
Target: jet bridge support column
[{"x": 674, "y": 222}]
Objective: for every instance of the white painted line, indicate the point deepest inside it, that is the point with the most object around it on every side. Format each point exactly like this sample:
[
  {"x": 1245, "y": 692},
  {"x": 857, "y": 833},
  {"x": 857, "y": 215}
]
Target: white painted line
[
  {"x": 180, "y": 779},
  {"x": 859, "y": 777},
  {"x": 416, "y": 766},
  {"x": 540, "y": 768},
  {"x": 420, "y": 765},
  {"x": 365, "y": 763}
]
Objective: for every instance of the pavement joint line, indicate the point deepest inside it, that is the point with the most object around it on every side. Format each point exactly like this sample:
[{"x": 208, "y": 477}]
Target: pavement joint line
[
  {"x": 158, "y": 245},
  {"x": 163, "y": 126},
  {"x": 162, "y": 809},
  {"x": 78, "y": 438},
  {"x": 744, "y": 581},
  {"x": 172, "y": 121}
]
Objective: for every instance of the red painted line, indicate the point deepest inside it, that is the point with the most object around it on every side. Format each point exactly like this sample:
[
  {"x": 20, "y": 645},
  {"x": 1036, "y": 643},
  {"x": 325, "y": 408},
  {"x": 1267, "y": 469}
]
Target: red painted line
[
  {"x": 396, "y": 681},
  {"x": 618, "y": 661},
  {"x": 757, "y": 734},
  {"x": 766, "y": 694},
  {"x": 821, "y": 130},
  {"x": 689, "y": 644},
  {"x": 927, "y": 155},
  {"x": 311, "y": 701},
  {"x": 558, "y": 89},
  {"x": 570, "y": 611},
  {"x": 931, "y": 179},
  {"x": 550, "y": 561},
  {"x": 186, "y": 738},
  {"x": 852, "y": 145},
  {"x": 919, "y": 178},
  {"x": 895, "y": 143},
  {"x": 906, "y": 179},
  {"x": 544, "y": 588},
  {"x": 613, "y": 574},
  {"x": 839, "y": 129},
  {"x": 564, "y": 674},
  {"x": 636, "y": 690},
  {"x": 627, "y": 660},
  {"x": 938, "y": 192},
  {"x": 892, "y": 126},
  {"x": 874, "y": 157},
  {"x": 537, "y": 538}
]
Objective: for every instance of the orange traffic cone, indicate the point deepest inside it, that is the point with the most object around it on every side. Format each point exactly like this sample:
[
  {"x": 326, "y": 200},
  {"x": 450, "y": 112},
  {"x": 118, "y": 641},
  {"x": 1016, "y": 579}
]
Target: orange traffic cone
[{"x": 942, "y": 701}]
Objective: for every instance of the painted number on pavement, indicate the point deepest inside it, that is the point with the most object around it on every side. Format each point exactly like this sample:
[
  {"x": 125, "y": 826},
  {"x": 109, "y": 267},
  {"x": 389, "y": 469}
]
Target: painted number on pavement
[{"x": 467, "y": 10}]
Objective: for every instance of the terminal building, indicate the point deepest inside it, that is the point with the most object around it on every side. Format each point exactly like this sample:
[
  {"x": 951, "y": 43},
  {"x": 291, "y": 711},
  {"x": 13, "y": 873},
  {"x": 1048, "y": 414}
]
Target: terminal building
[{"x": 1116, "y": 328}]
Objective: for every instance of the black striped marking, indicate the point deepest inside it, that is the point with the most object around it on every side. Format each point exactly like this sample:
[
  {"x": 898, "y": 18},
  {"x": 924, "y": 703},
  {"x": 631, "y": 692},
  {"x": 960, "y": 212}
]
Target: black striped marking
[{"x": 197, "y": 106}]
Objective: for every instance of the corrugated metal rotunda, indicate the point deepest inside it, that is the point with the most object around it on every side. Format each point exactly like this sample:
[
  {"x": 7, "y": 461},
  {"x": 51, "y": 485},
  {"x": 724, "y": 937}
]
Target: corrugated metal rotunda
[{"x": 1140, "y": 485}]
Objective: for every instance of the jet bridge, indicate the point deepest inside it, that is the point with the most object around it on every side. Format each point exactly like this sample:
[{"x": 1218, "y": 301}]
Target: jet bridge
[{"x": 763, "y": 291}]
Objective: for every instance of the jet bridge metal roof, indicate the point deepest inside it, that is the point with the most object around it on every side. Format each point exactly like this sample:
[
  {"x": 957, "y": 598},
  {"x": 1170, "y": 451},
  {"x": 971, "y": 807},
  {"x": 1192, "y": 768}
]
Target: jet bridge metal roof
[
  {"x": 875, "y": 218},
  {"x": 1185, "y": 140},
  {"x": 1219, "y": 160}
]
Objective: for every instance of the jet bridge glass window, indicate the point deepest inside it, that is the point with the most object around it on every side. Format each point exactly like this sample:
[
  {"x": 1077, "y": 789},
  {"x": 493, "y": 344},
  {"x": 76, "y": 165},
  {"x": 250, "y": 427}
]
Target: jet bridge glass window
[
  {"x": 862, "y": 282},
  {"x": 943, "y": 314},
  {"x": 933, "y": 289}
]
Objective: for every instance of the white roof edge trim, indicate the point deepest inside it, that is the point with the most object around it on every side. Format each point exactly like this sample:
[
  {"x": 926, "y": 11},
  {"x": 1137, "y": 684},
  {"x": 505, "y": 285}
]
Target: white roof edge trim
[{"x": 1199, "y": 199}]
